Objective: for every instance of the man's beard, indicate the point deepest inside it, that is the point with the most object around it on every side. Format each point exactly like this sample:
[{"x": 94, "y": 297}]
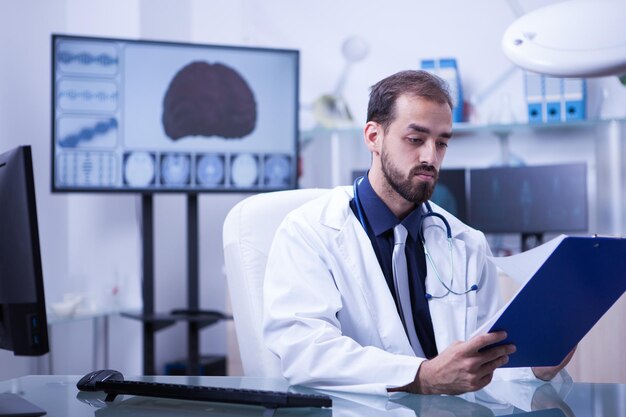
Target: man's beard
[{"x": 404, "y": 186}]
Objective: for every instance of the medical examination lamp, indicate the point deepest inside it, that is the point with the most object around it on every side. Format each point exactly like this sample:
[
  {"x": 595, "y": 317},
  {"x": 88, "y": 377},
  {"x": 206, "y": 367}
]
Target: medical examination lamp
[{"x": 576, "y": 38}]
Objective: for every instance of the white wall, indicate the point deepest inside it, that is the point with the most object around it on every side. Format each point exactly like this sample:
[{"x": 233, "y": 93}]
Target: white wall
[{"x": 91, "y": 242}]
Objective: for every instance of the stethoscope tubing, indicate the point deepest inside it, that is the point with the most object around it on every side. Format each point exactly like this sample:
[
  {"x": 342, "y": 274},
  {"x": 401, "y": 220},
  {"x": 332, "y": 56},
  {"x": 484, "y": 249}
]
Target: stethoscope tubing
[{"x": 429, "y": 213}]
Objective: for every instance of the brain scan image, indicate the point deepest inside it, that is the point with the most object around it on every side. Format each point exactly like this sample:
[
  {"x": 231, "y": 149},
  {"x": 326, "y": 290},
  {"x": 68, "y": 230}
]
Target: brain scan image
[
  {"x": 244, "y": 170},
  {"x": 277, "y": 170},
  {"x": 210, "y": 170},
  {"x": 208, "y": 100},
  {"x": 175, "y": 169},
  {"x": 139, "y": 169}
]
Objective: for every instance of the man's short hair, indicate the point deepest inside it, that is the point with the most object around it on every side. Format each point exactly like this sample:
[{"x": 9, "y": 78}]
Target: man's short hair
[{"x": 383, "y": 94}]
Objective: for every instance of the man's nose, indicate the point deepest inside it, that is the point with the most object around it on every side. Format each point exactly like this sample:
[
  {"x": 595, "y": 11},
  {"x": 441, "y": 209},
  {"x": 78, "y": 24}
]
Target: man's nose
[{"x": 428, "y": 153}]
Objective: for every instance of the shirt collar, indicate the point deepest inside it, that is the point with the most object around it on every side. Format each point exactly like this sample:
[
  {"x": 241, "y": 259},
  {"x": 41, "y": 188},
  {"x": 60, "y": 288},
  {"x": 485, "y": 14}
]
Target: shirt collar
[{"x": 379, "y": 217}]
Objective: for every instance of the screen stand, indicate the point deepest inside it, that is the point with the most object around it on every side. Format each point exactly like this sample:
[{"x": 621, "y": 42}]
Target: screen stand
[
  {"x": 14, "y": 405},
  {"x": 193, "y": 302},
  {"x": 531, "y": 240},
  {"x": 153, "y": 323},
  {"x": 147, "y": 228}
]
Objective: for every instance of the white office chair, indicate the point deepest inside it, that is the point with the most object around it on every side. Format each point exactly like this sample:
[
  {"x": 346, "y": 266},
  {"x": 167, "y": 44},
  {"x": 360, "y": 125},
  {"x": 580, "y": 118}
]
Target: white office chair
[{"x": 247, "y": 236}]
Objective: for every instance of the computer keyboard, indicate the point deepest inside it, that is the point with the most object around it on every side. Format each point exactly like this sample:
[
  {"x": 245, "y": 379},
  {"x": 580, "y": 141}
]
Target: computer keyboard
[{"x": 269, "y": 399}]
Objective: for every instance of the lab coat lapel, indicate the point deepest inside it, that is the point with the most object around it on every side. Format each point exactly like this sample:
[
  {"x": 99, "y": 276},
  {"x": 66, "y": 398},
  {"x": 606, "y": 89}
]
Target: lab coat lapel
[
  {"x": 356, "y": 252},
  {"x": 449, "y": 313},
  {"x": 364, "y": 267}
]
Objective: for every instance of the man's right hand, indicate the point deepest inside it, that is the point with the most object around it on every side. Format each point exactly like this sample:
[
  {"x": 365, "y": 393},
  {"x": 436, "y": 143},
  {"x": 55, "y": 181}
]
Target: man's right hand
[{"x": 462, "y": 367}]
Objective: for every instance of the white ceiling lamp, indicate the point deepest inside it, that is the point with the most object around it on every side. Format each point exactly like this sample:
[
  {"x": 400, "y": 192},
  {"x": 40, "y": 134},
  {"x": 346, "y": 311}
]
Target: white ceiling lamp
[{"x": 576, "y": 38}]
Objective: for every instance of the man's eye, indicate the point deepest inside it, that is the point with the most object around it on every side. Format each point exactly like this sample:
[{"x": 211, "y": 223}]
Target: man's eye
[
  {"x": 415, "y": 140},
  {"x": 442, "y": 145}
]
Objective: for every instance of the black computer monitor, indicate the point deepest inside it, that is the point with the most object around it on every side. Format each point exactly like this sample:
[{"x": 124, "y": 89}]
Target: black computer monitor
[
  {"x": 23, "y": 324},
  {"x": 148, "y": 116},
  {"x": 450, "y": 192},
  {"x": 529, "y": 199}
]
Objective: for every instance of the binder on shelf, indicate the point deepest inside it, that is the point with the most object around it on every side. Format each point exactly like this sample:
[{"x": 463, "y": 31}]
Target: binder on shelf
[
  {"x": 570, "y": 283},
  {"x": 553, "y": 89},
  {"x": 575, "y": 97},
  {"x": 551, "y": 99},
  {"x": 534, "y": 97},
  {"x": 447, "y": 69}
]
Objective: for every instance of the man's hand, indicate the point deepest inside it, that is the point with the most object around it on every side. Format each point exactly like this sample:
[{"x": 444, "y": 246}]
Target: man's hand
[
  {"x": 546, "y": 373},
  {"x": 546, "y": 397},
  {"x": 461, "y": 367}
]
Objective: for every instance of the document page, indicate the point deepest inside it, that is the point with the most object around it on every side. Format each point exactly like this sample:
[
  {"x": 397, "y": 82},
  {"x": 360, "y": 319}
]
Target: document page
[{"x": 521, "y": 267}]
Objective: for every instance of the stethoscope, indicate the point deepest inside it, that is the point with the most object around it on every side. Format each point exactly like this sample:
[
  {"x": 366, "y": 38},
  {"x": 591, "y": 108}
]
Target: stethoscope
[{"x": 429, "y": 213}]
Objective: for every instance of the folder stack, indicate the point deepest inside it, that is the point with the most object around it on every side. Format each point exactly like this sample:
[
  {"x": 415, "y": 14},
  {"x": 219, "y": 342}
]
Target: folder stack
[
  {"x": 553, "y": 100},
  {"x": 447, "y": 69}
]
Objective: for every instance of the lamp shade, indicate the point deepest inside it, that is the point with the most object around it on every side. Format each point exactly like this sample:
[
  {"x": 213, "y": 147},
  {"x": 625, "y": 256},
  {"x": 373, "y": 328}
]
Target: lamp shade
[{"x": 576, "y": 38}]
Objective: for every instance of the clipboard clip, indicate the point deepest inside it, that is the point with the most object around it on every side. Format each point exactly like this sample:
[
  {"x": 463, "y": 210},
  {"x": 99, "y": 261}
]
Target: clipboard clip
[{"x": 596, "y": 235}]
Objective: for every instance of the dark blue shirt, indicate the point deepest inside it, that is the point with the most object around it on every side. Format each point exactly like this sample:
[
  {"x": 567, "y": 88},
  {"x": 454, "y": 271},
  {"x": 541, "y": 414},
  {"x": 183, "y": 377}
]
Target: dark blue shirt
[{"x": 380, "y": 221}]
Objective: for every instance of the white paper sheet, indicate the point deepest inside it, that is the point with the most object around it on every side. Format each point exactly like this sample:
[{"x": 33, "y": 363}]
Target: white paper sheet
[{"x": 521, "y": 267}]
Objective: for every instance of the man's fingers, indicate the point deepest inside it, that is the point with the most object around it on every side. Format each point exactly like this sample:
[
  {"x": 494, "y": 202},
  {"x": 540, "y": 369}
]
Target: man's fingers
[
  {"x": 496, "y": 352},
  {"x": 568, "y": 358},
  {"x": 486, "y": 367},
  {"x": 483, "y": 340},
  {"x": 495, "y": 363},
  {"x": 485, "y": 380}
]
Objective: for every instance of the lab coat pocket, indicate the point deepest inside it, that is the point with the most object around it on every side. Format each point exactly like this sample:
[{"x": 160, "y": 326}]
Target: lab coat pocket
[
  {"x": 470, "y": 321},
  {"x": 448, "y": 316}
]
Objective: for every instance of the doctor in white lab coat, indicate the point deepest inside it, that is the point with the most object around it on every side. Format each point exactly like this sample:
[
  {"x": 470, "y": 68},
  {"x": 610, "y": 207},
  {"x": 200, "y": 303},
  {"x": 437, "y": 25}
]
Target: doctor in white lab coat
[{"x": 329, "y": 314}]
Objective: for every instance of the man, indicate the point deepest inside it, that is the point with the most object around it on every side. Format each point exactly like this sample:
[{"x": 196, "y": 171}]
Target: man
[{"x": 336, "y": 308}]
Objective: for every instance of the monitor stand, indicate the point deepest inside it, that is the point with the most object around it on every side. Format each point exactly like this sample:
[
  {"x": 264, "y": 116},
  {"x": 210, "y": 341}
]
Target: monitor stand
[
  {"x": 14, "y": 405},
  {"x": 531, "y": 240}
]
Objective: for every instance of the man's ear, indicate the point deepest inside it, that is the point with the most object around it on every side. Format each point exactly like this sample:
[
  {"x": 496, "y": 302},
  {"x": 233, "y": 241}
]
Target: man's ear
[{"x": 373, "y": 136}]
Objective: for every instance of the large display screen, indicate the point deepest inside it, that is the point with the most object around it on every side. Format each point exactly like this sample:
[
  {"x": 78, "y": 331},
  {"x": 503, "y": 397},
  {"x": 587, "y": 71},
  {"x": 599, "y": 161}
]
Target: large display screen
[
  {"x": 147, "y": 116},
  {"x": 531, "y": 199}
]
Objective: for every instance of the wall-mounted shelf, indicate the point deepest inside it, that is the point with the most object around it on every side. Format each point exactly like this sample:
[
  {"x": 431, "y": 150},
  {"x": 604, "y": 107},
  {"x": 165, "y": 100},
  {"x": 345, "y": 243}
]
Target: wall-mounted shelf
[
  {"x": 338, "y": 137},
  {"x": 499, "y": 130},
  {"x": 465, "y": 129}
]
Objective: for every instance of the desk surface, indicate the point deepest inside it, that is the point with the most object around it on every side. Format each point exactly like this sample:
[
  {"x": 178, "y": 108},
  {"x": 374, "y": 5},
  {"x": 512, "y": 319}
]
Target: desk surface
[{"x": 59, "y": 396}]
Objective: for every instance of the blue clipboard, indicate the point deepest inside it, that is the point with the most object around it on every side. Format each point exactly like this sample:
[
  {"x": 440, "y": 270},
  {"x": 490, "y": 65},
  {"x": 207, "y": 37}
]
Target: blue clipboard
[{"x": 565, "y": 298}]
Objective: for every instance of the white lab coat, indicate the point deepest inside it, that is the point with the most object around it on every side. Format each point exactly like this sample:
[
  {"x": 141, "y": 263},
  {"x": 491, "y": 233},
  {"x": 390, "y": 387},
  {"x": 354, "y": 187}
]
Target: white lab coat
[{"x": 329, "y": 315}]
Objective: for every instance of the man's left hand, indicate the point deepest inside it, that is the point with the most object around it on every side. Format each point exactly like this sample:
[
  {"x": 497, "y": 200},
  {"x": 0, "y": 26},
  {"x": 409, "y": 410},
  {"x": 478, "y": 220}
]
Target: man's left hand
[{"x": 546, "y": 373}]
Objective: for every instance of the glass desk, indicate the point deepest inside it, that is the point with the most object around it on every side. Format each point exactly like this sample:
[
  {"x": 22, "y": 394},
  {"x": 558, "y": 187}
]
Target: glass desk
[{"x": 59, "y": 396}]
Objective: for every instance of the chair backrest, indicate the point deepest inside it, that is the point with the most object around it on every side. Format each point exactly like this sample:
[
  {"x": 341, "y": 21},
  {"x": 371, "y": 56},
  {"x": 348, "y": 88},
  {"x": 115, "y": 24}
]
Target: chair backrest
[{"x": 247, "y": 236}]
